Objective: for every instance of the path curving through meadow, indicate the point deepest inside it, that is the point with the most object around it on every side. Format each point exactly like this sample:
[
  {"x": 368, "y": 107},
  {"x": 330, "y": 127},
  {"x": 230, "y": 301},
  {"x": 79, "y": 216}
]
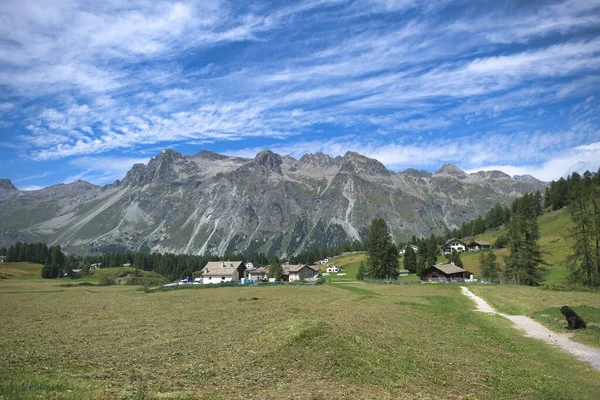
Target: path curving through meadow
[{"x": 536, "y": 330}]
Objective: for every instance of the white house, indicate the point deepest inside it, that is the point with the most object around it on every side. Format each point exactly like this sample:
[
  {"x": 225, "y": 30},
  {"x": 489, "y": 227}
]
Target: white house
[
  {"x": 333, "y": 268},
  {"x": 95, "y": 265},
  {"x": 223, "y": 271},
  {"x": 454, "y": 244},
  {"x": 415, "y": 249},
  {"x": 127, "y": 265},
  {"x": 324, "y": 261},
  {"x": 249, "y": 265}
]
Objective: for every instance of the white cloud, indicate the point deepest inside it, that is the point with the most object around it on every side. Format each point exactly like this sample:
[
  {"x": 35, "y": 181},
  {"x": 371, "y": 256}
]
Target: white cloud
[
  {"x": 102, "y": 170},
  {"x": 116, "y": 82},
  {"x": 31, "y": 187}
]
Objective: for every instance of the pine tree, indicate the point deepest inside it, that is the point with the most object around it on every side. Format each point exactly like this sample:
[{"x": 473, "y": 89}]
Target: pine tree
[
  {"x": 488, "y": 265},
  {"x": 583, "y": 261},
  {"x": 275, "y": 270},
  {"x": 522, "y": 237},
  {"x": 383, "y": 254},
  {"x": 455, "y": 258},
  {"x": 431, "y": 251},
  {"x": 360, "y": 274},
  {"x": 410, "y": 260}
]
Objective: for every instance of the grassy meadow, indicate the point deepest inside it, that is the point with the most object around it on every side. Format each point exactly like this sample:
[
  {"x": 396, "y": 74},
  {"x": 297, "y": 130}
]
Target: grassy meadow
[{"x": 328, "y": 341}]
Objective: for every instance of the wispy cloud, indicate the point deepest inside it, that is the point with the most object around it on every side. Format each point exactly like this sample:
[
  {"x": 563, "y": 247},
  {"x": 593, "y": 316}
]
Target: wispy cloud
[
  {"x": 394, "y": 79},
  {"x": 102, "y": 170}
]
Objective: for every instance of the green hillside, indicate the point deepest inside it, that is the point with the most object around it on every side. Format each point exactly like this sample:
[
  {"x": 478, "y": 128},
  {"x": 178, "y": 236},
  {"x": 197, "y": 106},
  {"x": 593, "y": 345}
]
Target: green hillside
[
  {"x": 554, "y": 227},
  {"x": 20, "y": 270}
]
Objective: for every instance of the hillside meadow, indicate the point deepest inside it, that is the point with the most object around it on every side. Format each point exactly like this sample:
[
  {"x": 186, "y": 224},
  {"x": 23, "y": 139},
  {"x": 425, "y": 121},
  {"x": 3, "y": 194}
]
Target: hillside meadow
[{"x": 335, "y": 340}]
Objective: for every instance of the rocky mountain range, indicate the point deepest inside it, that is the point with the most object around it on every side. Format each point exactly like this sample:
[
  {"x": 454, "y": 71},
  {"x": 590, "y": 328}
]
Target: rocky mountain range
[{"x": 209, "y": 203}]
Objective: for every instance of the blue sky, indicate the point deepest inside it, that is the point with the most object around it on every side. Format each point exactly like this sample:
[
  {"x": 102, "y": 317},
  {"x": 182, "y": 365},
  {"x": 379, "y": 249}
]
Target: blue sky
[{"x": 87, "y": 89}]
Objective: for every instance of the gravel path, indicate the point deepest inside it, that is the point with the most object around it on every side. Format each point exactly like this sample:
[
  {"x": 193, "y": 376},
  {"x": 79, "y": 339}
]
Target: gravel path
[{"x": 536, "y": 330}]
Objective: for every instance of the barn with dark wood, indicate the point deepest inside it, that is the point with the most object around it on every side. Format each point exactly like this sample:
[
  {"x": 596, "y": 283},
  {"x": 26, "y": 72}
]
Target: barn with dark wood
[
  {"x": 444, "y": 271},
  {"x": 477, "y": 245}
]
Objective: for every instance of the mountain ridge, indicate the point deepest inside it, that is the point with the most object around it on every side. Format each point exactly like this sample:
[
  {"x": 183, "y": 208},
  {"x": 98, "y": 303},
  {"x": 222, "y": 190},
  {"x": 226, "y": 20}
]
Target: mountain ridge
[{"x": 208, "y": 203}]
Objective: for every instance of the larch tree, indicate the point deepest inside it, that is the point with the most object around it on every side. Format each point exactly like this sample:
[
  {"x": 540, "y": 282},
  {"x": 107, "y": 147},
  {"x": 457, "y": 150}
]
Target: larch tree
[
  {"x": 525, "y": 256},
  {"x": 410, "y": 259},
  {"x": 383, "y": 254}
]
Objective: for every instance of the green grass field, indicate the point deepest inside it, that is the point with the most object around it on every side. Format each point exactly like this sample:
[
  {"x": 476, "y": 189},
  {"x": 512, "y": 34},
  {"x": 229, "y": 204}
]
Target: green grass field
[
  {"x": 21, "y": 270},
  {"x": 327, "y": 341}
]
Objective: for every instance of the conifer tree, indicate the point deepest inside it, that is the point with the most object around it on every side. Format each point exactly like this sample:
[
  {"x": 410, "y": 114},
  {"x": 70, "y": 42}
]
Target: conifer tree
[
  {"x": 275, "y": 270},
  {"x": 455, "y": 258},
  {"x": 522, "y": 237},
  {"x": 410, "y": 259},
  {"x": 360, "y": 274},
  {"x": 583, "y": 262},
  {"x": 383, "y": 254},
  {"x": 488, "y": 265}
]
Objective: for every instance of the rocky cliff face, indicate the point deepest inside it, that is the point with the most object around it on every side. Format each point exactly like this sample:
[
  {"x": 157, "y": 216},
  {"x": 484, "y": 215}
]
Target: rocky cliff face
[{"x": 213, "y": 204}]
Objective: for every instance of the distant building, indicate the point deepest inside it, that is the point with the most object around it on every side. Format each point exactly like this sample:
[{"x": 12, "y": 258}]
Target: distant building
[
  {"x": 77, "y": 273},
  {"x": 403, "y": 272},
  {"x": 95, "y": 265},
  {"x": 324, "y": 261},
  {"x": 127, "y": 265},
  {"x": 299, "y": 272},
  {"x": 415, "y": 249},
  {"x": 477, "y": 245},
  {"x": 444, "y": 271},
  {"x": 454, "y": 244},
  {"x": 249, "y": 265},
  {"x": 223, "y": 271},
  {"x": 258, "y": 274},
  {"x": 333, "y": 268},
  {"x": 2, "y": 258}
]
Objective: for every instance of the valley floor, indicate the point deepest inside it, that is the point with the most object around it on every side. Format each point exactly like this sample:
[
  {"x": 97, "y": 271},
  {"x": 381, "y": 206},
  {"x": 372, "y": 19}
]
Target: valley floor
[{"x": 330, "y": 341}]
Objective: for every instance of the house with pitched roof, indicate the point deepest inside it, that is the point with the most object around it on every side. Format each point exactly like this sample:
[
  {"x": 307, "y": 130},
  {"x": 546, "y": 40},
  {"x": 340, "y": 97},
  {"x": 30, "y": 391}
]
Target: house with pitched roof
[
  {"x": 477, "y": 245},
  {"x": 454, "y": 244},
  {"x": 444, "y": 271},
  {"x": 299, "y": 272},
  {"x": 223, "y": 271},
  {"x": 257, "y": 274}
]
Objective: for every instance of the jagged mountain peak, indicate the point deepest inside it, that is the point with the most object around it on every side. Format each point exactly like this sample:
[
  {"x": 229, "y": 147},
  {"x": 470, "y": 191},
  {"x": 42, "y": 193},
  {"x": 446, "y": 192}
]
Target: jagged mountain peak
[
  {"x": 357, "y": 163},
  {"x": 269, "y": 160},
  {"x": 7, "y": 186},
  {"x": 317, "y": 160},
  {"x": 450, "y": 170}
]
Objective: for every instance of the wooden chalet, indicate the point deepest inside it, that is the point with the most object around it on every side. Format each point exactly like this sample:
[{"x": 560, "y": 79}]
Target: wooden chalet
[
  {"x": 258, "y": 274},
  {"x": 477, "y": 245},
  {"x": 444, "y": 271},
  {"x": 299, "y": 272}
]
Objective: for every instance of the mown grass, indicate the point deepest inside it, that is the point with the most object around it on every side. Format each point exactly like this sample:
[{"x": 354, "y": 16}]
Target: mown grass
[
  {"x": 544, "y": 306},
  {"x": 348, "y": 341},
  {"x": 21, "y": 270}
]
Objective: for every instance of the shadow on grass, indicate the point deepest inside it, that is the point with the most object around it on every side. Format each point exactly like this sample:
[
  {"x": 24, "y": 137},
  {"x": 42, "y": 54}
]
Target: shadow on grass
[{"x": 353, "y": 289}]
